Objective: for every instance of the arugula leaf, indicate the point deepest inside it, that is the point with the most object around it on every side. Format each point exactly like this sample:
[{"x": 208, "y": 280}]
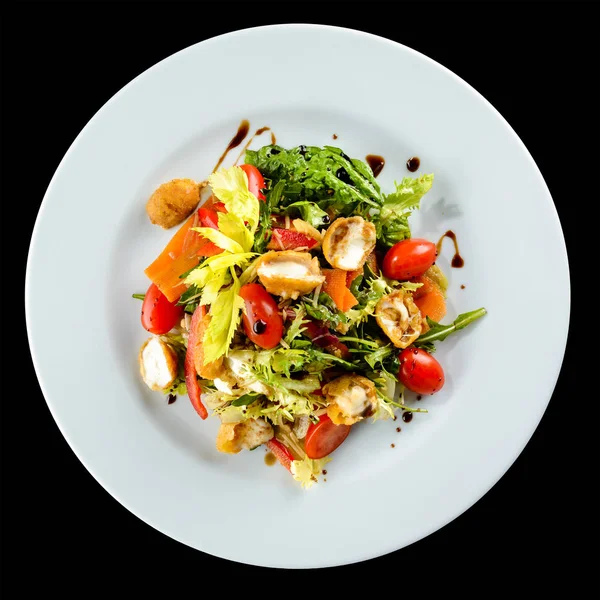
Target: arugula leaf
[
  {"x": 311, "y": 213},
  {"x": 191, "y": 294},
  {"x": 438, "y": 333},
  {"x": 246, "y": 399},
  {"x": 325, "y": 176},
  {"x": 264, "y": 230},
  {"x": 378, "y": 356},
  {"x": 325, "y": 310}
]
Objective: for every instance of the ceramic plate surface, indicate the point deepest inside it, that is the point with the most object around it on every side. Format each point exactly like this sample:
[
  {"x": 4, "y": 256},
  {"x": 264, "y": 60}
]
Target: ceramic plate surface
[{"x": 93, "y": 236}]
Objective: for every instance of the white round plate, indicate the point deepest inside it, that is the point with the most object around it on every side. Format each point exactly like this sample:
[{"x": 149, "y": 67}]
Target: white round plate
[{"x": 93, "y": 238}]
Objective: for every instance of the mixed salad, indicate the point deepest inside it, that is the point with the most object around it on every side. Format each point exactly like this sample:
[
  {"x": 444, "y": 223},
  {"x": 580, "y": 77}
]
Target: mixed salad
[{"x": 293, "y": 303}]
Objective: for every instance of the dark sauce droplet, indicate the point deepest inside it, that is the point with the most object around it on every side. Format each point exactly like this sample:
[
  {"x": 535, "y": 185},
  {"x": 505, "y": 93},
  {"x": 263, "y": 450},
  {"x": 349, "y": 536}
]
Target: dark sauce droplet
[
  {"x": 259, "y": 327},
  {"x": 419, "y": 397},
  {"x": 171, "y": 398},
  {"x": 236, "y": 140},
  {"x": 413, "y": 163},
  {"x": 407, "y": 417},
  {"x": 342, "y": 175},
  {"x": 462, "y": 287},
  {"x": 335, "y": 136},
  {"x": 457, "y": 260},
  {"x": 376, "y": 163},
  {"x": 270, "y": 459}
]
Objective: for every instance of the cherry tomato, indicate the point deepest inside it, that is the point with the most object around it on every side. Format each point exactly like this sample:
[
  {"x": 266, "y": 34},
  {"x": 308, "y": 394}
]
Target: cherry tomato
[
  {"x": 324, "y": 437},
  {"x": 409, "y": 258},
  {"x": 282, "y": 454},
  {"x": 256, "y": 181},
  {"x": 420, "y": 372},
  {"x": 262, "y": 322},
  {"x": 158, "y": 314}
]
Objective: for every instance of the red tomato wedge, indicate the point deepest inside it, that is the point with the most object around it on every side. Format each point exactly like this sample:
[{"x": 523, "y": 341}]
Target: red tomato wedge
[
  {"x": 288, "y": 239},
  {"x": 324, "y": 437},
  {"x": 282, "y": 454},
  {"x": 194, "y": 341},
  {"x": 256, "y": 181}
]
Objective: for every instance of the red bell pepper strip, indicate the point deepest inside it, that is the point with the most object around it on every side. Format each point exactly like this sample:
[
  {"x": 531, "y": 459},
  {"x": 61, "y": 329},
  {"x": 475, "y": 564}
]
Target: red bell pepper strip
[
  {"x": 194, "y": 341},
  {"x": 282, "y": 454}
]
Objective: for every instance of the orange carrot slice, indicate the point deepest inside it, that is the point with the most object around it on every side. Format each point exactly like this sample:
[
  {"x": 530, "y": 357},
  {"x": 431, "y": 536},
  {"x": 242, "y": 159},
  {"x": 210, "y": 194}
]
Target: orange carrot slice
[
  {"x": 429, "y": 298},
  {"x": 335, "y": 286},
  {"x": 179, "y": 256}
]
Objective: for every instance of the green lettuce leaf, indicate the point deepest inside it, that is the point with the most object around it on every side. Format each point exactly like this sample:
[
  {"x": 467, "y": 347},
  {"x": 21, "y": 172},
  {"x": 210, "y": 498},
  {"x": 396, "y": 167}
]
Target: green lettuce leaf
[
  {"x": 391, "y": 222},
  {"x": 307, "y": 470}
]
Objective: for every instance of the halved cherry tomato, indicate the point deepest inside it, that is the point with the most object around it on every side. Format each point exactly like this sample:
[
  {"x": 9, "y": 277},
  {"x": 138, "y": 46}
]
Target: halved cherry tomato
[
  {"x": 288, "y": 239},
  {"x": 420, "y": 372},
  {"x": 262, "y": 322},
  {"x": 409, "y": 258},
  {"x": 191, "y": 381},
  {"x": 324, "y": 437},
  {"x": 256, "y": 181},
  {"x": 282, "y": 454},
  {"x": 158, "y": 314}
]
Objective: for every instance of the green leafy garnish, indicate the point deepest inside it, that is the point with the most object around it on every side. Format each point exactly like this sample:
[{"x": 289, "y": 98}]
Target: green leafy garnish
[
  {"x": 391, "y": 222},
  {"x": 307, "y": 470},
  {"x": 224, "y": 321},
  {"x": 246, "y": 399},
  {"x": 324, "y": 176},
  {"x": 311, "y": 213},
  {"x": 438, "y": 332}
]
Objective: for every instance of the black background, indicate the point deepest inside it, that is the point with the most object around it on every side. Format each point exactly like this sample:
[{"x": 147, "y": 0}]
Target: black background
[{"x": 537, "y": 529}]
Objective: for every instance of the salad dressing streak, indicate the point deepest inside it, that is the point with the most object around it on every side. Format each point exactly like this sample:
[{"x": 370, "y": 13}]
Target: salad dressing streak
[
  {"x": 236, "y": 140},
  {"x": 457, "y": 259}
]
